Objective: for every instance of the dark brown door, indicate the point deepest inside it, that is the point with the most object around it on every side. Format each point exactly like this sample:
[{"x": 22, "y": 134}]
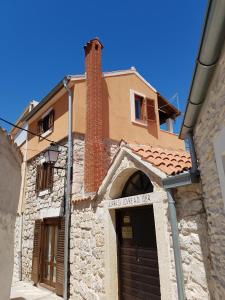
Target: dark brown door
[
  {"x": 49, "y": 252},
  {"x": 137, "y": 254}
]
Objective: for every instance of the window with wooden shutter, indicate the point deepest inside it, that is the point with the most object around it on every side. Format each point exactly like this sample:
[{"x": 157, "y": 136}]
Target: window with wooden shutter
[
  {"x": 44, "y": 179},
  {"x": 36, "y": 261},
  {"x": 60, "y": 258},
  {"x": 46, "y": 123}
]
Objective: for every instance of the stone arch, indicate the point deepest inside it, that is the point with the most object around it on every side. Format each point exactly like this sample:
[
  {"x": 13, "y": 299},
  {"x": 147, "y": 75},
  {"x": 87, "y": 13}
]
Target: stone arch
[{"x": 121, "y": 179}]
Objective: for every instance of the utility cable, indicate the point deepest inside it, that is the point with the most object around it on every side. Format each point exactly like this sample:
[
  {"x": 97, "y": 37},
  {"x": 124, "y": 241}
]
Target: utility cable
[{"x": 35, "y": 134}]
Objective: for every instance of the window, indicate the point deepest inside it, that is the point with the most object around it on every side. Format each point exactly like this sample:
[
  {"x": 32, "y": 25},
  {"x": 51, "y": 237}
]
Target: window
[
  {"x": 142, "y": 109},
  {"x": 46, "y": 123},
  {"x": 44, "y": 179}
]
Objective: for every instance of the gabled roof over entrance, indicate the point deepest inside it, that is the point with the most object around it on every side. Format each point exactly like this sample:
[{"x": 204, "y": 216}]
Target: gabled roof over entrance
[
  {"x": 161, "y": 162},
  {"x": 171, "y": 162}
]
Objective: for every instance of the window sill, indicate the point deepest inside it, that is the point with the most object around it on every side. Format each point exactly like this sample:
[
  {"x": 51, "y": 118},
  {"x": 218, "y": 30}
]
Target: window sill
[
  {"x": 140, "y": 122},
  {"x": 46, "y": 133},
  {"x": 43, "y": 193}
]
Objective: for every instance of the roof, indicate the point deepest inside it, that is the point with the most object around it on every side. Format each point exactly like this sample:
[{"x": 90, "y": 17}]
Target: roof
[
  {"x": 73, "y": 78},
  {"x": 171, "y": 162},
  {"x": 19, "y": 121}
]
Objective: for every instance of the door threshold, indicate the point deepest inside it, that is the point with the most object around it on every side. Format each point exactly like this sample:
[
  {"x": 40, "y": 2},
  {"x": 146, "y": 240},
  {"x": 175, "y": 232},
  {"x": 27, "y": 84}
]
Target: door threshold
[{"x": 48, "y": 287}]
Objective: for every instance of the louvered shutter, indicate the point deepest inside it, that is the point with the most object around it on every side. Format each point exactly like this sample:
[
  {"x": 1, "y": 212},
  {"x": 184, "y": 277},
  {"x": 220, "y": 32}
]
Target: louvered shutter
[
  {"x": 36, "y": 261},
  {"x": 151, "y": 117},
  {"x": 40, "y": 127},
  {"x": 50, "y": 173},
  {"x": 150, "y": 108},
  {"x": 38, "y": 178},
  {"x": 143, "y": 110},
  {"x": 60, "y": 258},
  {"x": 51, "y": 119}
]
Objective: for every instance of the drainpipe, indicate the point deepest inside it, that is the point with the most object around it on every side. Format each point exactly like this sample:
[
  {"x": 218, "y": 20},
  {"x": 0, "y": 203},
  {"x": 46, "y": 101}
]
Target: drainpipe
[
  {"x": 192, "y": 176},
  {"x": 176, "y": 245},
  {"x": 194, "y": 168},
  {"x": 68, "y": 191}
]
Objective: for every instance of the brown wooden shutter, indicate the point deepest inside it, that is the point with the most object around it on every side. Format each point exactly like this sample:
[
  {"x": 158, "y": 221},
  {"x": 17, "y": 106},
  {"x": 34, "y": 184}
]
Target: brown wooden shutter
[
  {"x": 38, "y": 178},
  {"x": 36, "y": 261},
  {"x": 60, "y": 258},
  {"x": 150, "y": 108},
  {"x": 40, "y": 127},
  {"x": 51, "y": 119},
  {"x": 143, "y": 110},
  {"x": 50, "y": 173}
]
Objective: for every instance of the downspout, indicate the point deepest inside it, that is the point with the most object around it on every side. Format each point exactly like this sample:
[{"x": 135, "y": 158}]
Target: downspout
[
  {"x": 68, "y": 191},
  {"x": 194, "y": 165},
  {"x": 176, "y": 246},
  {"x": 173, "y": 182}
]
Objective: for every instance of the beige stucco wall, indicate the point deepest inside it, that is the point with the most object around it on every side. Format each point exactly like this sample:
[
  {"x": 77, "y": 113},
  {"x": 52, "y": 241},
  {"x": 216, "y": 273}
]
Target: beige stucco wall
[
  {"x": 210, "y": 123},
  {"x": 10, "y": 160},
  {"x": 117, "y": 115}
]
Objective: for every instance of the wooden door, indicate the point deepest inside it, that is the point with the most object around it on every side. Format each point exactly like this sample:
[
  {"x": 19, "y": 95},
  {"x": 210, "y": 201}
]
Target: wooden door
[
  {"x": 49, "y": 252},
  {"x": 137, "y": 254}
]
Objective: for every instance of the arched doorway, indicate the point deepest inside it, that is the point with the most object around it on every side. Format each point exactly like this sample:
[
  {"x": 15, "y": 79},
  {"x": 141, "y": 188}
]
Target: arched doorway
[{"x": 137, "y": 250}]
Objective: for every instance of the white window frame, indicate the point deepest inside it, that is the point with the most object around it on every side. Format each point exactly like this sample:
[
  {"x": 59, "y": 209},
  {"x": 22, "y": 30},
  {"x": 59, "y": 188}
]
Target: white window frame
[
  {"x": 219, "y": 150},
  {"x": 132, "y": 107}
]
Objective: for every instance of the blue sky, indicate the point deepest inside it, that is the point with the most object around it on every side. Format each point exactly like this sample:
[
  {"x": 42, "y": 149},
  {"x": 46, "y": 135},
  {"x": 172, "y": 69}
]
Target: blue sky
[{"x": 41, "y": 41}]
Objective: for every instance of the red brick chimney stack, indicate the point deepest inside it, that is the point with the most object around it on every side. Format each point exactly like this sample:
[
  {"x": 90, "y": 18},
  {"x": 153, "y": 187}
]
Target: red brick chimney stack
[{"x": 95, "y": 163}]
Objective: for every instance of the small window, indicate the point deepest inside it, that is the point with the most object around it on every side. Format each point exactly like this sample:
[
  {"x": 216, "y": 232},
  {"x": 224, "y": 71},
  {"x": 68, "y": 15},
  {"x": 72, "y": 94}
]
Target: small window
[
  {"x": 44, "y": 178},
  {"x": 140, "y": 108},
  {"x": 46, "y": 123}
]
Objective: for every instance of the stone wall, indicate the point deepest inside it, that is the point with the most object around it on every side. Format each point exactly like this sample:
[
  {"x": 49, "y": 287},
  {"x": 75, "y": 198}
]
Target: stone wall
[
  {"x": 52, "y": 203},
  {"x": 37, "y": 207},
  {"x": 210, "y": 122},
  {"x": 87, "y": 251},
  {"x": 193, "y": 237}
]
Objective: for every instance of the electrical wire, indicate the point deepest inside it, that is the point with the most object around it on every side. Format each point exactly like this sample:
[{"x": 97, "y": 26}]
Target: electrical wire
[{"x": 35, "y": 134}]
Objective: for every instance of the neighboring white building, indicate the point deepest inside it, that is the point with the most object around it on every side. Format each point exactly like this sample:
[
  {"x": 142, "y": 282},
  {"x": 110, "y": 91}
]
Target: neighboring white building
[
  {"x": 20, "y": 138},
  {"x": 10, "y": 174}
]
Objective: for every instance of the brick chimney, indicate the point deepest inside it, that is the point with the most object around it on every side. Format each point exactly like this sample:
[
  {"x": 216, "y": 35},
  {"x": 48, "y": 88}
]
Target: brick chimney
[{"x": 95, "y": 163}]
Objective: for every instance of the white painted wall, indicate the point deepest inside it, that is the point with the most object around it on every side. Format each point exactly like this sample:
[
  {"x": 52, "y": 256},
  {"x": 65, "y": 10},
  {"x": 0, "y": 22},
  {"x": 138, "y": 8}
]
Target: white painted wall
[{"x": 10, "y": 179}]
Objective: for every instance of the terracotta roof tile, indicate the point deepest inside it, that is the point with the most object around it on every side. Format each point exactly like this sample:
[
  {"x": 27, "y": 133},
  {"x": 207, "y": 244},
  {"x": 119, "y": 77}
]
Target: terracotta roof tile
[{"x": 169, "y": 161}]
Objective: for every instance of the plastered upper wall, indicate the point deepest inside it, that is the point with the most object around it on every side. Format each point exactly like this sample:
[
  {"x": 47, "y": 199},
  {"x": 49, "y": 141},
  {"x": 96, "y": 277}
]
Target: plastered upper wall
[{"x": 117, "y": 115}]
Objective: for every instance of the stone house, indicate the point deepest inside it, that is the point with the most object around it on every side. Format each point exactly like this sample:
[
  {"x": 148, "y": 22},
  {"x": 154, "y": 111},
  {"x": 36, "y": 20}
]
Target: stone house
[
  {"x": 204, "y": 126},
  {"x": 19, "y": 136},
  {"x": 127, "y": 173},
  {"x": 10, "y": 163}
]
